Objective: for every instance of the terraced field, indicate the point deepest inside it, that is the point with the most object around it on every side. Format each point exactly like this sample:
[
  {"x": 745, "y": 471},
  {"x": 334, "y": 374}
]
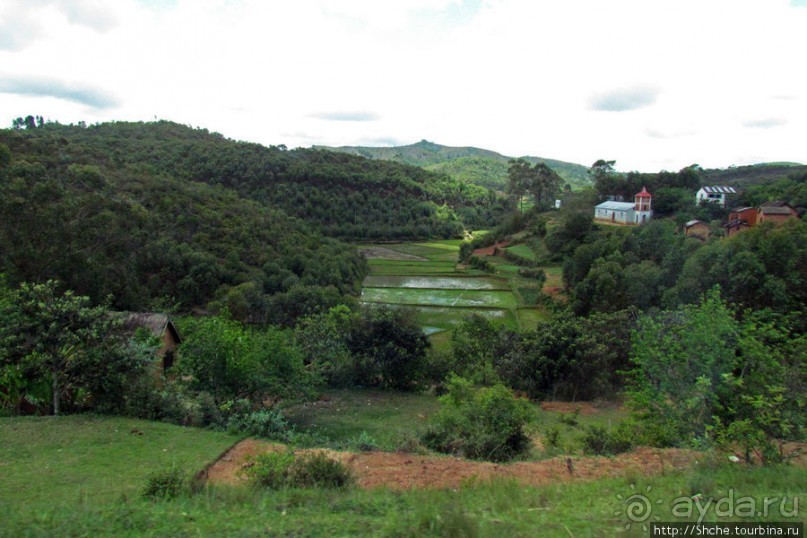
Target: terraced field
[{"x": 426, "y": 278}]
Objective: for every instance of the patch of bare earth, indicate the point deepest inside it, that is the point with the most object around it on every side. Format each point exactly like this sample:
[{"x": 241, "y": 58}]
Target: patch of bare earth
[
  {"x": 399, "y": 471},
  {"x": 490, "y": 251},
  {"x": 382, "y": 253}
]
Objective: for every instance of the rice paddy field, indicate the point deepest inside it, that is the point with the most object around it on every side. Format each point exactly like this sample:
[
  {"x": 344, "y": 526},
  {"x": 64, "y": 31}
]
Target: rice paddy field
[{"x": 426, "y": 278}]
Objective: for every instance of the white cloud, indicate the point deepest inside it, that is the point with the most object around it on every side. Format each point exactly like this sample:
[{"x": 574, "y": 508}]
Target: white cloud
[{"x": 516, "y": 76}]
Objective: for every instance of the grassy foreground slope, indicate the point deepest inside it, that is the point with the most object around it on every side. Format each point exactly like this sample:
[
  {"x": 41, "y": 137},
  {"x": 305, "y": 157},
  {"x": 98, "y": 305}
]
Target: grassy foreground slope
[
  {"x": 93, "y": 467},
  {"x": 87, "y": 460}
]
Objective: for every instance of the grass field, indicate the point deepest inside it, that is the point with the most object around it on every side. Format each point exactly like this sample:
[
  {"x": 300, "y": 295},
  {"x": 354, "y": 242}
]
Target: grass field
[
  {"x": 90, "y": 460},
  {"x": 343, "y": 415},
  {"x": 88, "y": 473},
  {"x": 522, "y": 250},
  {"x": 412, "y": 269}
]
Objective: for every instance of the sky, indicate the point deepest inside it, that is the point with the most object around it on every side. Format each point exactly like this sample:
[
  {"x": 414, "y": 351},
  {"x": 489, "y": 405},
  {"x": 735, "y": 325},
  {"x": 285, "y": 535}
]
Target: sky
[{"x": 652, "y": 84}]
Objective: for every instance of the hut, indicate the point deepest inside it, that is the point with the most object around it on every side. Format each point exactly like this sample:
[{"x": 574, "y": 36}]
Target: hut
[
  {"x": 776, "y": 212},
  {"x": 159, "y": 326},
  {"x": 697, "y": 228}
]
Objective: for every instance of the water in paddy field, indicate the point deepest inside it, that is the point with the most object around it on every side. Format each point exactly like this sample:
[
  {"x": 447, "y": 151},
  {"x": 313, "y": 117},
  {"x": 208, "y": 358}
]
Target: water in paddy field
[{"x": 427, "y": 282}]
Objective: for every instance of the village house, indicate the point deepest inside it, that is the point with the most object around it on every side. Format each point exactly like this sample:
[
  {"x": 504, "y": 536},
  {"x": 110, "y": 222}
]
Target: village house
[
  {"x": 715, "y": 195},
  {"x": 747, "y": 217},
  {"x": 697, "y": 229},
  {"x": 747, "y": 214},
  {"x": 638, "y": 212},
  {"x": 157, "y": 325},
  {"x": 776, "y": 212},
  {"x": 735, "y": 226}
]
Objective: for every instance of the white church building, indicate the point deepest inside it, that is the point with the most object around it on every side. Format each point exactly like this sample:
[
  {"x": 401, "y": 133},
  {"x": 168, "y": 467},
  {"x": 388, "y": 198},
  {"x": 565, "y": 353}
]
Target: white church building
[{"x": 638, "y": 212}]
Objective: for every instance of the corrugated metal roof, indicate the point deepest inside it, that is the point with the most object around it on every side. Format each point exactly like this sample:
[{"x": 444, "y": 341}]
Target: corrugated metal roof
[
  {"x": 719, "y": 190},
  {"x": 616, "y": 206},
  {"x": 691, "y": 223},
  {"x": 775, "y": 203},
  {"x": 773, "y": 210}
]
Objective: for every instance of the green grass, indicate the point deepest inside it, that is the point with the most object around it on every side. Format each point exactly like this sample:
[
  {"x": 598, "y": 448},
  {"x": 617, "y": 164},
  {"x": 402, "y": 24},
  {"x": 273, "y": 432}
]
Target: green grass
[
  {"x": 408, "y": 270},
  {"x": 448, "y": 317},
  {"x": 342, "y": 415},
  {"x": 377, "y": 262},
  {"x": 88, "y": 459},
  {"x": 441, "y": 341},
  {"x": 529, "y": 318},
  {"x": 440, "y": 297},
  {"x": 79, "y": 476},
  {"x": 448, "y": 244},
  {"x": 497, "y": 509},
  {"x": 522, "y": 250}
]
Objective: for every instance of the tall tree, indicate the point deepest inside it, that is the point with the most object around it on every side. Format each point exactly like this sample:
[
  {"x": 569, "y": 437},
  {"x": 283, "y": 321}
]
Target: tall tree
[{"x": 55, "y": 336}]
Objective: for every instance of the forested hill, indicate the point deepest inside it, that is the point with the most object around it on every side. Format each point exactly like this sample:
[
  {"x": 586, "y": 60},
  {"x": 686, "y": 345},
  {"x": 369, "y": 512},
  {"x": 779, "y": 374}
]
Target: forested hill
[
  {"x": 471, "y": 165},
  {"x": 340, "y": 195},
  {"x": 160, "y": 215},
  {"x": 742, "y": 176}
]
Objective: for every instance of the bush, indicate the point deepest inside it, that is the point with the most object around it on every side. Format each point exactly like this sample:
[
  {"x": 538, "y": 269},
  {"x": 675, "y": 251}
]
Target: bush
[
  {"x": 482, "y": 264},
  {"x": 316, "y": 470},
  {"x": 602, "y": 442},
  {"x": 486, "y": 423},
  {"x": 364, "y": 442},
  {"x": 165, "y": 484},
  {"x": 267, "y": 423},
  {"x": 277, "y": 470},
  {"x": 271, "y": 470}
]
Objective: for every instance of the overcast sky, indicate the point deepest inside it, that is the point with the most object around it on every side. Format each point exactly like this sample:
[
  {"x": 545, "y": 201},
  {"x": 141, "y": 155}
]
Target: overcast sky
[{"x": 652, "y": 84}]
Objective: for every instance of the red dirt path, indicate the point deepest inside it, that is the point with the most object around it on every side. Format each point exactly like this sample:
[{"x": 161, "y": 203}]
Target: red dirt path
[
  {"x": 399, "y": 471},
  {"x": 490, "y": 251}
]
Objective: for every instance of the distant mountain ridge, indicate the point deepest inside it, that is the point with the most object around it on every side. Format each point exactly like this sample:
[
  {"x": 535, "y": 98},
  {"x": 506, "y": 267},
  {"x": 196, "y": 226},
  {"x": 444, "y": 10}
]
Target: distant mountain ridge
[
  {"x": 741, "y": 176},
  {"x": 472, "y": 165}
]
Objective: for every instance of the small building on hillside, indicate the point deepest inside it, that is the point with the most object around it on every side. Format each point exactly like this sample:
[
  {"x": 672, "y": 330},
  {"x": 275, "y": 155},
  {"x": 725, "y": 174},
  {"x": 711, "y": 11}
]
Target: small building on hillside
[
  {"x": 697, "y": 228},
  {"x": 744, "y": 218},
  {"x": 746, "y": 214},
  {"x": 157, "y": 325},
  {"x": 776, "y": 211},
  {"x": 638, "y": 212},
  {"x": 617, "y": 212},
  {"x": 715, "y": 195},
  {"x": 735, "y": 226}
]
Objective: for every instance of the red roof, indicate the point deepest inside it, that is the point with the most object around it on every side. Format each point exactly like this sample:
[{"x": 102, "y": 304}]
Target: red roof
[{"x": 644, "y": 193}]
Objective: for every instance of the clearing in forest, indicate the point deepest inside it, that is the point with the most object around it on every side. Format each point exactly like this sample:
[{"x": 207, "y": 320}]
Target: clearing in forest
[{"x": 427, "y": 278}]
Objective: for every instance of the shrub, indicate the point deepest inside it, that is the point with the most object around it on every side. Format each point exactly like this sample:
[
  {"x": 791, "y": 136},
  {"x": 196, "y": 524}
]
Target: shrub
[
  {"x": 482, "y": 264},
  {"x": 364, "y": 442},
  {"x": 268, "y": 423},
  {"x": 318, "y": 470},
  {"x": 602, "y": 442},
  {"x": 277, "y": 470},
  {"x": 486, "y": 423},
  {"x": 271, "y": 470},
  {"x": 552, "y": 438},
  {"x": 165, "y": 484}
]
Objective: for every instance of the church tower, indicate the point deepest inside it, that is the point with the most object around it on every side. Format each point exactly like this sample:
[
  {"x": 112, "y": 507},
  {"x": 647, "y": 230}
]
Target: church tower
[{"x": 642, "y": 210}]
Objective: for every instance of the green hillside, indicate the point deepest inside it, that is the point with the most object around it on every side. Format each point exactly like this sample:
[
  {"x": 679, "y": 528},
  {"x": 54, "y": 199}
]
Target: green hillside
[
  {"x": 468, "y": 164},
  {"x": 160, "y": 215},
  {"x": 741, "y": 176}
]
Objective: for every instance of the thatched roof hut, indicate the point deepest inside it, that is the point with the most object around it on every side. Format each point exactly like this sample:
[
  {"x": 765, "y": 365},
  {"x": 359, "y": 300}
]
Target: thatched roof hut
[{"x": 158, "y": 325}]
